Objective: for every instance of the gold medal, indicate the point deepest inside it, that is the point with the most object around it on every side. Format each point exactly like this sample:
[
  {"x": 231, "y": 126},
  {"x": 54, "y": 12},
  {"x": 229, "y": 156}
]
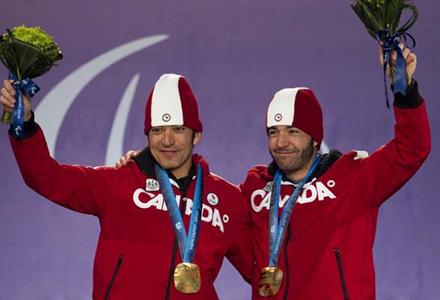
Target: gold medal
[
  {"x": 270, "y": 281},
  {"x": 187, "y": 278}
]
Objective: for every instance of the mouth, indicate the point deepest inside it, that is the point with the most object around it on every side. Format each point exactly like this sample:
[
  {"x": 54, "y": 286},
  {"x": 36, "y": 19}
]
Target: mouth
[
  {"x": 168, "y": 153},
  {"x": 284, "y": 154}
]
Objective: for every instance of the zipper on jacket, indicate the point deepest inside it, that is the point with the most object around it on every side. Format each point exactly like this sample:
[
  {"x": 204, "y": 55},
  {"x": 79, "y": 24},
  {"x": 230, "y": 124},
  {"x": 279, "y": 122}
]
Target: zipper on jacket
[
  {"x": 174, "y": 254},
  {"x": 286, "y": 263},
  {"x": 341, "y": 272},
  {"x": 115, "y": 273}
]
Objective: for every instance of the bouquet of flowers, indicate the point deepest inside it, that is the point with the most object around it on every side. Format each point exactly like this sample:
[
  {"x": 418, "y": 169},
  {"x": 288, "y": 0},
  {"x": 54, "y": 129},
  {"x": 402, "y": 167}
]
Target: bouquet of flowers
[
  {"x": 381, "y": 19},
  {"x": 27, "y": 52}
]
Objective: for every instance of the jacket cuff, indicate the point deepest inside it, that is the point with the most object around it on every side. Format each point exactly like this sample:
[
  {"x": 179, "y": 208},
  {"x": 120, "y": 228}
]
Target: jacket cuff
[
  {"x": 29, "y": 127},
  {"x": 412, "y": 99}
]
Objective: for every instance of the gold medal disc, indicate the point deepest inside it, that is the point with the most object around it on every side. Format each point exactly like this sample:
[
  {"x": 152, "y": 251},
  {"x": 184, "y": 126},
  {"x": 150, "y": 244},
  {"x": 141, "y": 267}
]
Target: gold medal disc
[
  {"x": 187, "y": 278},
  {"x": 270, "y": 281}
]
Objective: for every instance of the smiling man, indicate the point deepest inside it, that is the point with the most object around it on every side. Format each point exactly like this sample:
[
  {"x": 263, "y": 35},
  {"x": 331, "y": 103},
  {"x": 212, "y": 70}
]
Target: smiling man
[
  {"x": 166, "y": 220},
  {"x": 315, "y": 216},
  {"x": 171, "y": 147}
]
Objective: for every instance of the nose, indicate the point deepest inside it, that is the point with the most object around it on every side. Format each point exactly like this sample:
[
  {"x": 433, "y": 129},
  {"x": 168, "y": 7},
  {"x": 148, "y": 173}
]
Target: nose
[
  {"x": 282, "y": 140},
  {"x": 168, "y": 138}
]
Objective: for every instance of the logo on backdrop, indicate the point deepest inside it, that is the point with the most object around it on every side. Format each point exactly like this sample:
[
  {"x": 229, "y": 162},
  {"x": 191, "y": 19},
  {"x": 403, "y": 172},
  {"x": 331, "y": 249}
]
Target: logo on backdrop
[{"x": 62, "y": 96}]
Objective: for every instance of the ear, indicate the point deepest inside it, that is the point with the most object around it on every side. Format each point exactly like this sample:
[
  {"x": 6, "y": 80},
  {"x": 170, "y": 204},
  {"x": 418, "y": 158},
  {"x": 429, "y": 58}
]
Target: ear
[
  {"x": 315, "y": 144},
  {"x": 197, "y": 137}
]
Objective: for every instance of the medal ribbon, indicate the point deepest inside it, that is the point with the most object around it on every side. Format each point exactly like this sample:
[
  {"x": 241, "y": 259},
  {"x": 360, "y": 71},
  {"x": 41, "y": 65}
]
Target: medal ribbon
[
  {"x": 187, "y": 243},
  {"x": 390, "y": 42},
  {"x": 25, "y": 86},
  {"x": 277, "y": 229}
]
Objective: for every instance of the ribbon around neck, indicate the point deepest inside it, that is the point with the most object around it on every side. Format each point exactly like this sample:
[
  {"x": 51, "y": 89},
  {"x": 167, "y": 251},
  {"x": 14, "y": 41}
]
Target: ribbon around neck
[
  {"x": 187, "y": 243},
  {"x": 277, "y": 229}
]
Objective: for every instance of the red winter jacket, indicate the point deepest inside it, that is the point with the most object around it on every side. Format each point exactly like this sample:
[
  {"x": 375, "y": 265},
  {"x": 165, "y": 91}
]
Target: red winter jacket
[
  {"x": 136, "y": 252},
  {"x": 328, "y": 249}
]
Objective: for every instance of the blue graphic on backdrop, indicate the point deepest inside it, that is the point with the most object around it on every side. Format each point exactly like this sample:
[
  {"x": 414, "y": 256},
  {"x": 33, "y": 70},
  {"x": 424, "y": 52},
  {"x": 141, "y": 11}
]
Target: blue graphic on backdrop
[{"x": 62, "y": 96}]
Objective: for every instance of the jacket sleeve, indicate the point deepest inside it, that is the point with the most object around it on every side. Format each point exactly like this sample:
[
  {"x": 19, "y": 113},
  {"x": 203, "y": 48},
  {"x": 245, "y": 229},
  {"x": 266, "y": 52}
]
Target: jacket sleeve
[
  {"x": 388, "y": 168},
  {"x": 66, "y": 185},
  {"x": 241, "y": 254}
]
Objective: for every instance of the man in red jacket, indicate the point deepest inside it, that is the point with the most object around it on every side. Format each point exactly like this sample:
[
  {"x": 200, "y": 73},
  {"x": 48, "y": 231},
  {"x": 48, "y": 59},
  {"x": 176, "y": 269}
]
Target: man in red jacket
[
  {"x": 166, "y": 220},
  {"x": 323, "y": 248}
]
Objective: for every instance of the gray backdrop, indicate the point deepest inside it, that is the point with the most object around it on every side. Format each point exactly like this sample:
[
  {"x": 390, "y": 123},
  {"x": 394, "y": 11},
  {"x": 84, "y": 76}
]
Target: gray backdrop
[{"x": 235, "y": 56}]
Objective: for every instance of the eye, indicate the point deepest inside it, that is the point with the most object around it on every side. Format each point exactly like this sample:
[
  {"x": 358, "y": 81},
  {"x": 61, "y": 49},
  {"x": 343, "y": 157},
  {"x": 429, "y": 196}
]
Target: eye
[
  {"x": 179, "y": 129},
  {"x": 156, "y": 130},
  {"x": 294, "y": 131},
  {"x": 271, "y": 132}
]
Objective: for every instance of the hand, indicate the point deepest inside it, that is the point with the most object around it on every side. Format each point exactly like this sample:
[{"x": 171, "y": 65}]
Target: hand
[
  {"x": 8, "y": 100},
  {"x": 124, "y": 160},
  {"x": 410, "y": 59}
]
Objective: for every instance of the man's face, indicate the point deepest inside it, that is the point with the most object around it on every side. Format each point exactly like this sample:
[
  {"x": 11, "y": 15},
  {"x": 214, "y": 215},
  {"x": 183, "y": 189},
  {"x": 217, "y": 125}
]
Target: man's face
[
  {"x": 172, "y": 147},
  {"x": 292, "y": 149}
]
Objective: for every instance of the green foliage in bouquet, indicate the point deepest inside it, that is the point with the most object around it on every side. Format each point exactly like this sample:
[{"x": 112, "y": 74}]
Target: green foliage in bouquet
[
  {"x": 28, "y": 52},
  {"x": 384, "y": 16}
]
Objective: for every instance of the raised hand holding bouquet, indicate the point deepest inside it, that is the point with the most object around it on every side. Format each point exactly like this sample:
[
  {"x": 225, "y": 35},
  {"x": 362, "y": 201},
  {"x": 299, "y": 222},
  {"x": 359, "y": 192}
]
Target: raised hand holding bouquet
[
  {"x": 27, "y": 52},
  {"x": 381, "y": 19}
]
